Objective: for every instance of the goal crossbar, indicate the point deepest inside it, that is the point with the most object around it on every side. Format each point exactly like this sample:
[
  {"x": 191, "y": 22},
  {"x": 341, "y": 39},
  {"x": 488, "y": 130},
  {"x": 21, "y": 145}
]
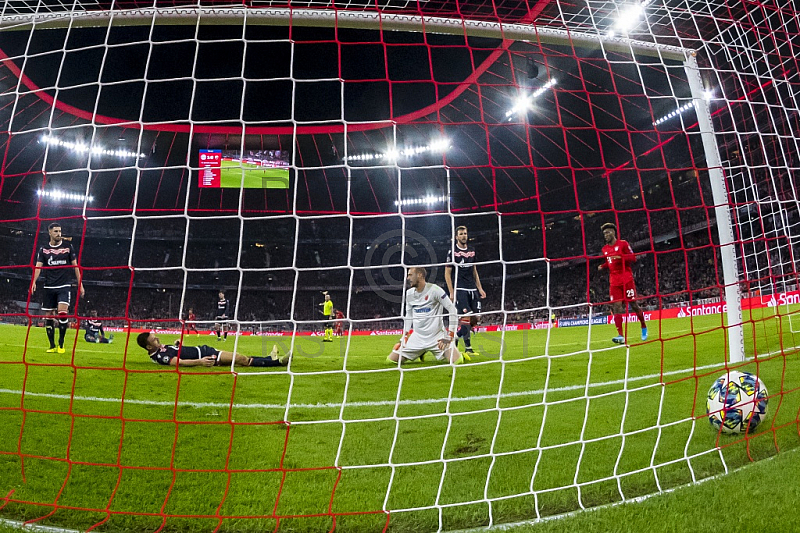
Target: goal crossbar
[{"x": 364, "y": 20}]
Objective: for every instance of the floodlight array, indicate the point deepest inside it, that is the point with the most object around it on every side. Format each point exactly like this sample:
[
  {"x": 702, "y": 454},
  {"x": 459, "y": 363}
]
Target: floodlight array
[
  {"x": 63, "y": 195},
  {"x": 393, "y": 154},
  {"x": 524, "y": 101},
  {"x": 82, "y": 148},
  {"x": 425, "y": 200}
]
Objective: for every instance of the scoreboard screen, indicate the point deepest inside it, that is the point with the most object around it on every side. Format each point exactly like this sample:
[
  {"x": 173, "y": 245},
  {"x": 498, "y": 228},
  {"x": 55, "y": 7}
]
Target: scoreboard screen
[{"x": 230, "y": 169}]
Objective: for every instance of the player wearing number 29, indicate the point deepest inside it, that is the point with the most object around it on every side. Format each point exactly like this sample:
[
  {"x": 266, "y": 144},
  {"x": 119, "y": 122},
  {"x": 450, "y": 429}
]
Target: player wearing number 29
[
  {"x": 423, "y": 327},
  {"x": 619, "y": 258}
]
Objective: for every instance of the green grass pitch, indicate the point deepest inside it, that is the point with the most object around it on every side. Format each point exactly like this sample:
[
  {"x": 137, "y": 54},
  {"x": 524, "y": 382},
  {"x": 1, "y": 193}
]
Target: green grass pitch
[
  {"x": 564, "y": 420},
  {"x": 255, "y": 177}
]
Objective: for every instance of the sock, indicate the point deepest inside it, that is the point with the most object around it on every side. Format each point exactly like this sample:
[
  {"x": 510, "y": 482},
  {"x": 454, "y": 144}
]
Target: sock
[
  {"x": 467, "y": 345},
  {"x": 63, "y": 324},
  {"x": 219, "y": 334},
  {"x": 226, "y": 335},
  {"x": 640, "y": 315},
  {"x": 264, "y": 361},
  {"x": 50, "y": 328},
  {"x": 618, "y": 323}
]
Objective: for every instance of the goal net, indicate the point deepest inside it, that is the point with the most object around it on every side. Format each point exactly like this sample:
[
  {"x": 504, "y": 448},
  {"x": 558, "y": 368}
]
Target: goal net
[{"x": 258, "y": 178}]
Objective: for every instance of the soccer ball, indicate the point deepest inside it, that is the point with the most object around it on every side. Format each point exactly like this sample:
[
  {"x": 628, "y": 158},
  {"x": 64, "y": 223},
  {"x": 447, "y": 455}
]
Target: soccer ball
[{"x": 737, "y": 402}]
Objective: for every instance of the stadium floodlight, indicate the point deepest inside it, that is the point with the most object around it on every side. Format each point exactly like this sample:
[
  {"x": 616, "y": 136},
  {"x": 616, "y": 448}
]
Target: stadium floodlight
[
  {"x": 82, "y": 148},
  {"x": 629, "y": 17},
  {"x": 63, "y": 195},
  {"x": 682, "y": 109},
  {"x": 393, "y": 154},
  {"x": 524, "y": 102},
  {"x": 426, "y": 200}
]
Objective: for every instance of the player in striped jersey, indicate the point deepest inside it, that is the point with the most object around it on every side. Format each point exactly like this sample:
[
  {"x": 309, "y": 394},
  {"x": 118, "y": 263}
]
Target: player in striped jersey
[
  {"x": 223, "y": 310},
  {"x": 468, "y": 291},
  {"x": 55, "y": 263}
]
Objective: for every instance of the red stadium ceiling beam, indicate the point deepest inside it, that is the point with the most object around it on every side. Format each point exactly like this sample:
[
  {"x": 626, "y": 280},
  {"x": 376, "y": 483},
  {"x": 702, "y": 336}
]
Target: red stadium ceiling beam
[{"x": 43, "y": 95}]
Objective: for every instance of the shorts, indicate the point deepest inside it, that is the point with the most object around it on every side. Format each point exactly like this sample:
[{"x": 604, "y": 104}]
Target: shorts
[
  {"x": 221, "y": 318},
  {"x": 198, "y": 352},
  {"x": 52, "y": 297},
  {"x": 90, "y": 338},
  {"x": 467, "y": 301},
  {"x": 417, "y": 345},
  {"x": 625, "y": 292}
]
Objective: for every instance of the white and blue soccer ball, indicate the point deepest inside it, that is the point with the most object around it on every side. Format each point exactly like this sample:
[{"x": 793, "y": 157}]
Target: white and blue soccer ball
[{"x": 737, "y": 402}]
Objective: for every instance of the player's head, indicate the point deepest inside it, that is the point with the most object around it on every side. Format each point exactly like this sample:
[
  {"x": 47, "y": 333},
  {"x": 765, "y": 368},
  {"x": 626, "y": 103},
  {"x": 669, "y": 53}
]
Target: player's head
[
  {"x": 221, "y": 295},
  {"x": 327, "y": 297},
  {"x": 609, "y": 232},
  {"x": 416, "y": 276},
  {"x": 148, "y": 341},
  {"x": 93, "y": 314},
  {"x": 461, "y": 235},
  {"x": 54, "y": 229},
  {"x": 191, "y": 310}
]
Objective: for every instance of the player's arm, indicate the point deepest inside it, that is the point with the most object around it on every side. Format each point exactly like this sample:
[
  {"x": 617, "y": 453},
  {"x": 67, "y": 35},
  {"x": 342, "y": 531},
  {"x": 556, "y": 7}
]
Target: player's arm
[
  {"x": 452, "y": 324},
  {"x": 448, "y": 274},
  {"x": 205, "y": 361},
  {"x": 628, "y": 257},
  {"x": 36, "y": 271},
  {"x": 78, "y": 277},
  {"x": 475, "y": 275},
  {"x": 408, "y": 322},
  {"x": 604, "y": 264}
]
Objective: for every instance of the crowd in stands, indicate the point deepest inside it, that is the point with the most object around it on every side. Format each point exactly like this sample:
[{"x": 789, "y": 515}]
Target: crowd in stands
[{"x": 671, "y": 271}]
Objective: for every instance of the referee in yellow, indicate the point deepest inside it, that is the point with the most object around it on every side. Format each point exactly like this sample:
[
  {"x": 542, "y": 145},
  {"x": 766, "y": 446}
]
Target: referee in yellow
[{"x": 327, "y": 311}]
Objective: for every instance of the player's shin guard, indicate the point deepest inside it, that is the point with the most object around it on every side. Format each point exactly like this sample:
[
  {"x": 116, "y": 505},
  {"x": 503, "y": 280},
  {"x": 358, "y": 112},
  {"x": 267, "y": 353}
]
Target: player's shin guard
[
  {"x": 467, "y": 342},
  {"x": 50, "y": 328},
  {"x": 63, "y": 324}
]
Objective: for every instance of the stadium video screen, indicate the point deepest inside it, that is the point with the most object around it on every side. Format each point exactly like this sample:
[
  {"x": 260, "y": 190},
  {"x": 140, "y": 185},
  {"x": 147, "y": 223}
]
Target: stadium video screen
[{"x": 262, "y": 169}]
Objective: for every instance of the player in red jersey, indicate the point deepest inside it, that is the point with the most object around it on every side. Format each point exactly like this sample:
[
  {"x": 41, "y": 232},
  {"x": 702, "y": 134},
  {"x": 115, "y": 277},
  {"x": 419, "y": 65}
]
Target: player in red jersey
[
  {"x": 191, "y": 323},
  {"x": 619, "y": 258},
  {"x": 337, "y": 330}
]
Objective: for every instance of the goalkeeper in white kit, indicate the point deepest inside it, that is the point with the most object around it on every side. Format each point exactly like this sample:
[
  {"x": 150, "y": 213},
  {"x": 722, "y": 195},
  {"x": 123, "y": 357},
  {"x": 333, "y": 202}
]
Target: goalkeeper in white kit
[{"x": 423, "y": 328}]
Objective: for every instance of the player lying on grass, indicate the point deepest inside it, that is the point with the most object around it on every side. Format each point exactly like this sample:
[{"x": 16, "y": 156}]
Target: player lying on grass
[
  {"x": 175, "y": 355},
  {"x": 423, "y": 328},
  {"x": 95, "y": 332}
]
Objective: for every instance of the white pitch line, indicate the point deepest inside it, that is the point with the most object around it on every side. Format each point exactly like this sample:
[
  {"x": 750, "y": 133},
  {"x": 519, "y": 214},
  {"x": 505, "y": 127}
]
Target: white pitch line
[
  {"x": 36, "y": 349},
  {"x": 203, "y": 405}
]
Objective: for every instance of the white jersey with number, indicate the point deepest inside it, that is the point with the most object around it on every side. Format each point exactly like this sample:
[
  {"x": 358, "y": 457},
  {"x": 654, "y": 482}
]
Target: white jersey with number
[{"x": 426, "y": 310}]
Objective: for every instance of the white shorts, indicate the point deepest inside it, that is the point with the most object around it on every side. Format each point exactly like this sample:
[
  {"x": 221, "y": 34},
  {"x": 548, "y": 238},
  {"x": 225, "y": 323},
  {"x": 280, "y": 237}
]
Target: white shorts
[{"x": 417, "y": 345}]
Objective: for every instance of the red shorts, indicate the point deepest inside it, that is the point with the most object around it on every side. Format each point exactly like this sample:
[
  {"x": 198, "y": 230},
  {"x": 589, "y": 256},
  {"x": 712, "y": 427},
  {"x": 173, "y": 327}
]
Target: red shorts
[{"x": 623, "y": 292}]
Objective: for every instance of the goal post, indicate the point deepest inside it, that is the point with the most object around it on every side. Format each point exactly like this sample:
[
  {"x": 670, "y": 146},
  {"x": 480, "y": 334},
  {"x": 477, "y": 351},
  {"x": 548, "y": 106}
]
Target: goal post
[{"x": 722, "y": 212}]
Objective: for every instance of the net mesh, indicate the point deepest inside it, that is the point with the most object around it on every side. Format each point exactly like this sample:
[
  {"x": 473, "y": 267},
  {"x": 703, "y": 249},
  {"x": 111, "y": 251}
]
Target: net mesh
[{"x": 353, "y": 140}]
